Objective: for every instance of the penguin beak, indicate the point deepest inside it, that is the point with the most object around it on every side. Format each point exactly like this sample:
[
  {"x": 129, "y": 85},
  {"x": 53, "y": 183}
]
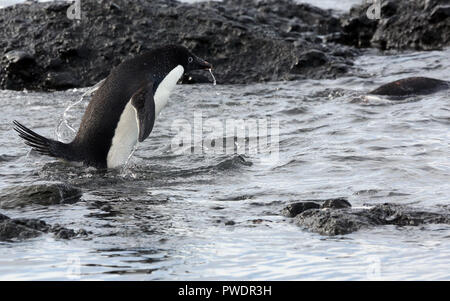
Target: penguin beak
[{"x": 201, "y": 64}]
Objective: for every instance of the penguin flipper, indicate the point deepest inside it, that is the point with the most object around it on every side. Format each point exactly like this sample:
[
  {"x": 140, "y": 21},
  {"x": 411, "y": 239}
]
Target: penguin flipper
[{"x": 144, "y": 104}]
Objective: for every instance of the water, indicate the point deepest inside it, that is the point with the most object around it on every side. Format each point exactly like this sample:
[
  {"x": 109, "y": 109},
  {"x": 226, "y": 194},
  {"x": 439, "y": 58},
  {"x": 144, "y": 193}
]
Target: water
[{"x": 168, "y": 212}]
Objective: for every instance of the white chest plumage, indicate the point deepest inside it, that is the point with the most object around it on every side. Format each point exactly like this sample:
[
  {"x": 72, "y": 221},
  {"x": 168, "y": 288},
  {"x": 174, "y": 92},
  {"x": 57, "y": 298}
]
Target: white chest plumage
[
  {"x": 127, "y": 132},
  {"x": 165, "y": 88}
]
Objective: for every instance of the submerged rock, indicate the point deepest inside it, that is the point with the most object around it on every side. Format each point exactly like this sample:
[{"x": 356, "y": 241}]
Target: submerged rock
[
  {"x": 295, "y": 209},
  {"x": 21, "y": 228},
  {"x": 342, "y": 220},
  {"x": 336, "y": 203},
  {"x": 246, "y": 41},
  {"x": 331, "y": 222},
  {"x": 42, "y": 194},
  {"x": 9, "y": 230},
  {"x": 412, "y": 86}
]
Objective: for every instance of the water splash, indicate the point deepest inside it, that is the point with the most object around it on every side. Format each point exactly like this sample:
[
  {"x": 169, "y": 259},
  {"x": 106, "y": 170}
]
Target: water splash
[
  {"x": 129, "y": 156},
  {"x": 125, "y": 171},
  {"x": 214, "y": 79},
  {"x": 64, "y": 121}
]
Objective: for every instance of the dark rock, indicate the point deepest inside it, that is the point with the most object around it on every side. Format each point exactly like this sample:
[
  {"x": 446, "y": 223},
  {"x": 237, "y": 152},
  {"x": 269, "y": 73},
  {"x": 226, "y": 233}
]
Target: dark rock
[
  {"x": 345, "y": 221},
  {"x": 34, "y": 224},
  {"x": 42, "y": 194},
  {"x": 18, "y": 68},
  {"x": 3, "y": 217},
  {"x": 393, "y": 214},
  {"x": 83, "y": 232},
  {"x": 106, "y": 207},
  {"x": 294, "y": 209},
  {"x": 60, "y": 80},
  {"x": 316, "y": 64},
  {"x": 10, "y": 231},
  {"x": 336, "y": 203},
  {"x": 404, "y": 24},
  {"x": 233, "y": 163},
  {"x": 389, "y": 8},
  {"x": 357, "y": 29},
  {"x": 246, "y": 41},
  {"x": 22, "y": 228},
  {"x": 440, "y": 13},
  {"x": 331, "y": 222},
  {"x": 412, "y": 86},
  {"x": 16, "y": 56},
  {"x": 311, "y": 58},
  {"x": 230, "y": 223},
  {"x": 65, "y": 233}
]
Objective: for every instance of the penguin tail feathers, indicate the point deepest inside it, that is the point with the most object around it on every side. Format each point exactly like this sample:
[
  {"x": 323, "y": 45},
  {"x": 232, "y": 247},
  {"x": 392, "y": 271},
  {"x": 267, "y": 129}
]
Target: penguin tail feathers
[{"x": 41, "y": 144}]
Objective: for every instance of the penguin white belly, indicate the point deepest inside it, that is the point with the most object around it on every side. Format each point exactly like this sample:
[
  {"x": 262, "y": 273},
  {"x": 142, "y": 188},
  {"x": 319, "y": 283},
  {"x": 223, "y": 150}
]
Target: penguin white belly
[
  {"x": 125, "y": 138},
  {"x": 127, "y": 130},
  {"x": 164, "y": 89}
]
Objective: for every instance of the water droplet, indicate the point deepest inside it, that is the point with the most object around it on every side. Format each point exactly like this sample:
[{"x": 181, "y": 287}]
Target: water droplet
[
  {"x": 65, "y": 118},
  {"x": 214, "y": 79}
]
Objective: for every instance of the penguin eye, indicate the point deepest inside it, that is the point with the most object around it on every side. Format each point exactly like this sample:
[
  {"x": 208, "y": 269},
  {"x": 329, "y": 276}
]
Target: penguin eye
[{"x": 190, "y": 59}]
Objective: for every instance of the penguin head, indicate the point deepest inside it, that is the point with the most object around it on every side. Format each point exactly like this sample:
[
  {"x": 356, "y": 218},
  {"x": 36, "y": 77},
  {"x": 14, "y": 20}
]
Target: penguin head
[{"x": 182, "y": 56}]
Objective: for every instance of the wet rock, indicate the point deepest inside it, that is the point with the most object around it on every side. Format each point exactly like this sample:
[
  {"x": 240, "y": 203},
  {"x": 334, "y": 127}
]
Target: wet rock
[
  {"x": 345, "y": 221},
  {"x": 65, "y": 233},
  {"x": 246, "y": 41},
  {"x": 336, "y": 203},
  {"x": 21, "y": 228},
  {"x": 389, "y": 8},
  {"x": 16, "y": 56},
  {"x": 331, "y": 222},
  {"x": 12, "y": 231},
  {"x": 233, "y": 163},
  {"x": 357, "y": 29},
  {"x": 3, "y": 217},
  {"x": 412, "y": 86},
  {"x": 317, "y": 64},
  {"x": 18, "y": 68},
  {"x": 404, "y": 24},
  {"x": 394, "y": 214},
  {"x": 440, "y": 13},
  {"x": 42, "y": 194},
  {"x": 293, "y": 210},
  {"x": 60, "y": 80},
  {"x": 309, "y": 59}
]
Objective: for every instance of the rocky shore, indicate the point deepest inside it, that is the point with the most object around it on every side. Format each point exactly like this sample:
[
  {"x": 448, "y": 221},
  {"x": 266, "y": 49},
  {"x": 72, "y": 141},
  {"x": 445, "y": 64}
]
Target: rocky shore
[
  {"x": 14, "y": 229},
  {"x": 336, "y": 216},
  {"x": 403, "y": 25},
  {"x": 246, "y": 41}
]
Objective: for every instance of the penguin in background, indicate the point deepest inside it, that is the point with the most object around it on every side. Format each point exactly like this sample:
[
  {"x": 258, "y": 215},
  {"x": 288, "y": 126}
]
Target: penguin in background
[{"x": 123, "y": 110}]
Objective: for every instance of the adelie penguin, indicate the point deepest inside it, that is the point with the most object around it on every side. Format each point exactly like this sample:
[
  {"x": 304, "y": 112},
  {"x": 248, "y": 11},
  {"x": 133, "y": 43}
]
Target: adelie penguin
[{"x": 123, "y": 110}]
